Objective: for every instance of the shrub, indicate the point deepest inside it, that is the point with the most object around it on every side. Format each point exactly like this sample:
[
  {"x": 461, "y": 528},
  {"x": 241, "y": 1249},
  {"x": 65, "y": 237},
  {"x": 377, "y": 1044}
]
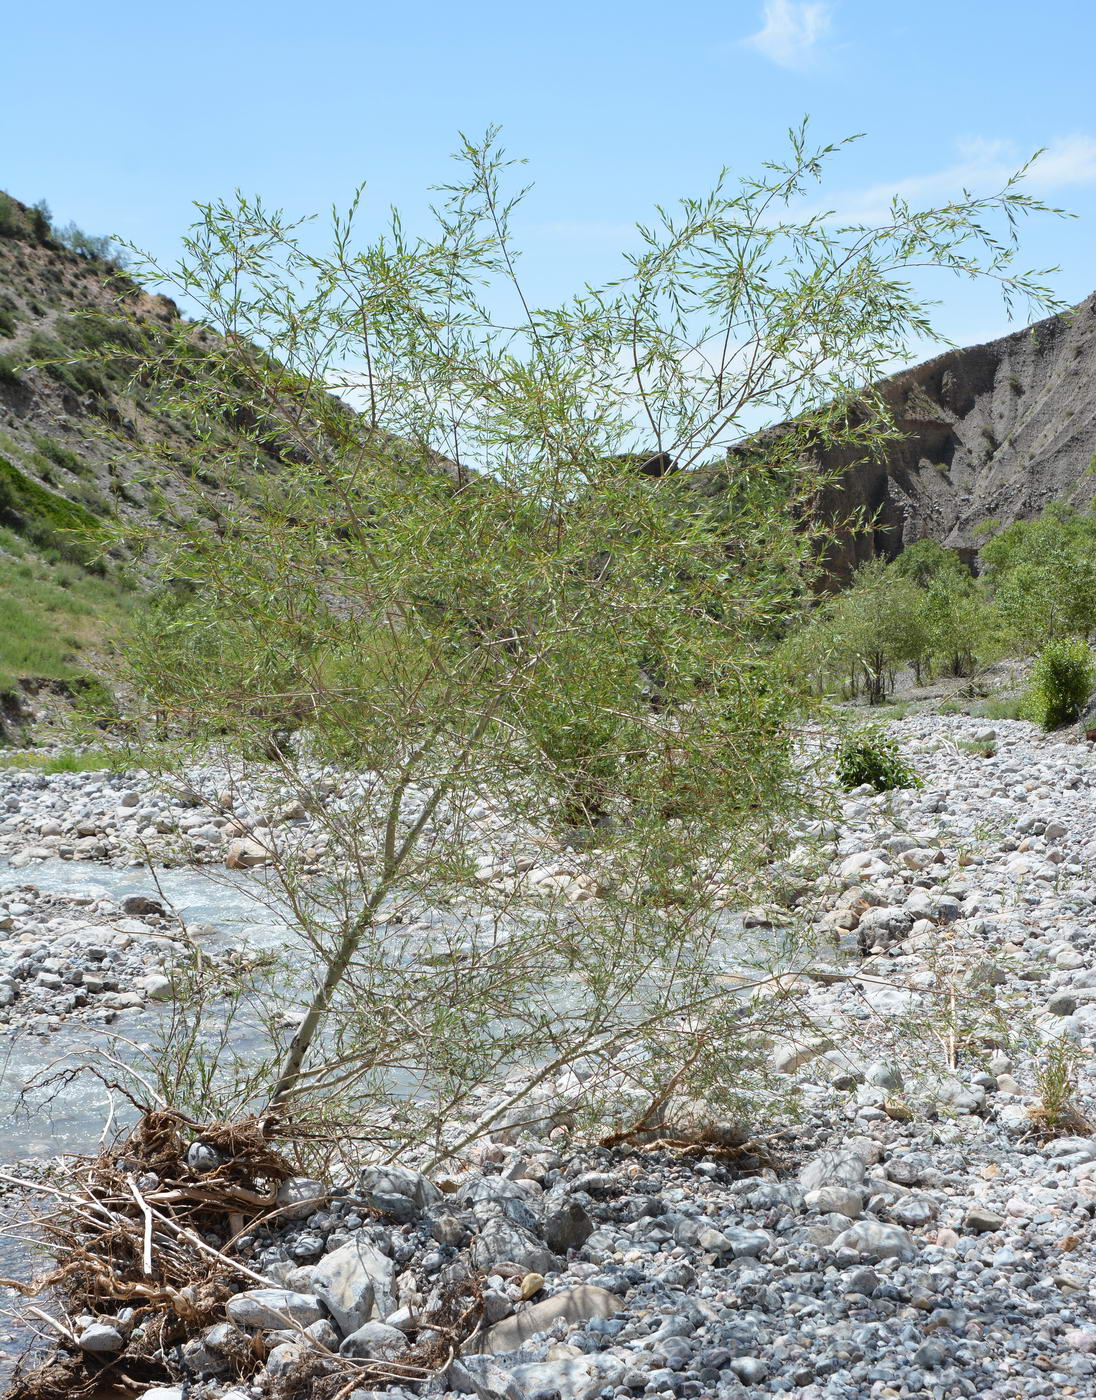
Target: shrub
[
  {"x": 9, "y": 370},
  {"x": 868, "y": 756},
  {"x": 1061, "y": 682},
  {"x": 12, "y": 222},
  {"x": 57, "y": 453}
]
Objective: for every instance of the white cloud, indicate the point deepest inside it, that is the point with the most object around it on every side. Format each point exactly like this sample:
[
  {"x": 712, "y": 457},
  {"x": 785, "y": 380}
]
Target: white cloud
[
  {"x": 982, "y": 166},
  {"x": 792, "y": 32},
  {"x": 1070, "y": 161}
]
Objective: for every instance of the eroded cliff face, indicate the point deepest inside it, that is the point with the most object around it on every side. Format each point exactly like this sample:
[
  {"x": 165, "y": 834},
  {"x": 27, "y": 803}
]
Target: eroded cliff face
[{"x": 993, "y": 433}]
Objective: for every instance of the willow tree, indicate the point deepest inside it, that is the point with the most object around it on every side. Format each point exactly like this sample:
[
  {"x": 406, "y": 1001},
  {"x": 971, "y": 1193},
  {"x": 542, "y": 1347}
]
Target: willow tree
[{"x": 469, "y": 587}]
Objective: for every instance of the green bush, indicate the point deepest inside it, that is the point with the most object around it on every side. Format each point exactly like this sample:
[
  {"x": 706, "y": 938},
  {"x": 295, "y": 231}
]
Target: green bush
[
  {"x": 12, "y": 222},
  {"x": 868, "y": 756},
  {"x": 57, "y": 453},
  {"x": 1061, "y": 682},
  {"x": 9, "y": 370}
]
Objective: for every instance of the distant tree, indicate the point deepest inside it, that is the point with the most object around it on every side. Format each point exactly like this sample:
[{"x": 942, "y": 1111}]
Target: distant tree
[
  {"x": 41, "y": 221},
  {"x": 1042, "y": 576},
  {"x": 96, "y": 247},
  {"x": 959, "y": 622},
  {"x": 925, "y": 561},
  {"x": 873, "y": 627}
]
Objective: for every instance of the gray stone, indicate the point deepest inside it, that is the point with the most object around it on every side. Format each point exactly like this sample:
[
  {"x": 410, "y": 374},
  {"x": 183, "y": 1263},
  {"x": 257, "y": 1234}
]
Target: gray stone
[
  {"x": 357, "y": 1282},
  {"x": 201, "y": 1360},
  {"x": 398, "y": 1181},
  {"x": 484, "y": 1378},
  {"x": 840, "y": 1200},
  {"x": 447, "y": 1229},
  {"x": 748, "y": 1244},
  {"x": 270, "y": 1307},
  {"x": 862, "y": 1280},
  {"x": 501, "y": 1241},
  {"x": 224, "y": 1337},
  {"x": 101, "y": 1339},
  {"x": 375, "y": 1340},
  {"x": 913, "y": 1211},
  {"x": 982, "y": 1221},
  {"x": 574, "y": 1305},
  {"x": 567, "y": 1227},
  {"x": 843, "y": 1167},
  {"x": 300, "y": 1197},
  {"x": 874, "y": 1240},
  {"x": 884, "y": 1076},
  {"x": 281, "y": 1359},
  {"x": 963, "y": 1098},
  {"x": 1072, "y": 1150},
  {"x": 575, "y": 1378}
]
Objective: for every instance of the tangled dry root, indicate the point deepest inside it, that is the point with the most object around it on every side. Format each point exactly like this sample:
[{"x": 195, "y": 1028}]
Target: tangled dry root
[{"x": 135, "y": 1227}]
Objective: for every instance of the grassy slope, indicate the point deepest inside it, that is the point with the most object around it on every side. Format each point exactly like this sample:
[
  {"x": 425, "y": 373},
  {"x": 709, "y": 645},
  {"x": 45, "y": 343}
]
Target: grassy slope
[
  {"x": 80, "y": 447},
  {"x": 58, "y": 621}
]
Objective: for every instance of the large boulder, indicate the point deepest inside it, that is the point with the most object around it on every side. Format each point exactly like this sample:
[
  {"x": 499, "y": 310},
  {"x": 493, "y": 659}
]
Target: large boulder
[
  {"x": 567, "y": 1226},
  {"x": 375, "y": 1341},
  {"x": 245, "y": 853},
  {"x": 357, "y": 1283},
  {"x": 874, "y": 1240},
  {"x": 500, "y": 1241},
  {"x": 397, "y": 1190},
  {"x": 834, "y": 1167}
]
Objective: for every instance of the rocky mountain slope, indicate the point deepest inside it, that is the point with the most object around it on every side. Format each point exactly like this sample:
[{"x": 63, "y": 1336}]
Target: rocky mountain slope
[
  {"x": 82, "y": 446},
  {"x": 993, "y": 434}
]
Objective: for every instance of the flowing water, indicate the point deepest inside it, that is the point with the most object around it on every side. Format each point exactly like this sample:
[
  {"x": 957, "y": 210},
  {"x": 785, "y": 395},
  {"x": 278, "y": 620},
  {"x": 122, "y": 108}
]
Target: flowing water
[{"x": 69, "y": 1115}]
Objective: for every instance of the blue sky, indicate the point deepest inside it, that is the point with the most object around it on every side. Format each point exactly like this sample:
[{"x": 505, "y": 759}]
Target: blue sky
[{"x": 120, "y": 114}]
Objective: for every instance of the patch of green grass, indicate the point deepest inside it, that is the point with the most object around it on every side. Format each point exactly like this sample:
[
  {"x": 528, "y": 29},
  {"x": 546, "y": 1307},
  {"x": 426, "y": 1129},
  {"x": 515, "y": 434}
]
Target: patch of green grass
[
  {"x": 52, "y": 614},
  {"x": 980, "y": 748},
  {"x": 899, "y": 710},
  {"x": 45, "y": 518},
  {"x": 91, "y": 761},
  {"x": 1003, "y": 707},
  {"x": 57, "y": 453}
]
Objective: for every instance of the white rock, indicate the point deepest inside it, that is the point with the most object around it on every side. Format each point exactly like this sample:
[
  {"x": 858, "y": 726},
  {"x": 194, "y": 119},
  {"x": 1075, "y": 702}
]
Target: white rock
[
  {"x": 357, "y": 1283},
  {"x": 270, "y": 1307}
]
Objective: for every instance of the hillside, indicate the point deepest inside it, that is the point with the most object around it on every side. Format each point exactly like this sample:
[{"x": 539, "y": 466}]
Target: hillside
[
  {"x": 993, "y": 434},
  {"x": 80, "y": 447},
  {"x": 59, "y": 470}
]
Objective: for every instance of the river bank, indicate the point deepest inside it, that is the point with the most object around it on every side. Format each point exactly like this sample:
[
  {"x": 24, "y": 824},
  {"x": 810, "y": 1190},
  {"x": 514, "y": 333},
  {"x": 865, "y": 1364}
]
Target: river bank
[{"x": 910, "y": 1228}]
